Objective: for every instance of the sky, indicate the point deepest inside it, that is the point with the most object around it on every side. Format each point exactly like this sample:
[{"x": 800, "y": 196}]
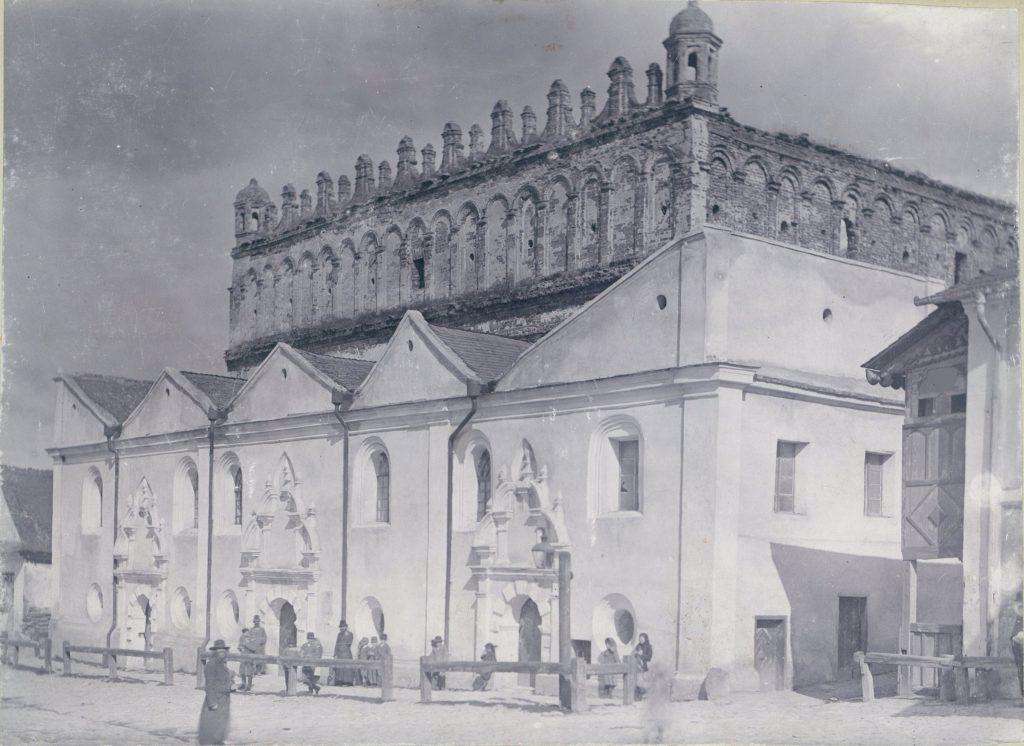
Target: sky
[{"x": 129, "y": 126}]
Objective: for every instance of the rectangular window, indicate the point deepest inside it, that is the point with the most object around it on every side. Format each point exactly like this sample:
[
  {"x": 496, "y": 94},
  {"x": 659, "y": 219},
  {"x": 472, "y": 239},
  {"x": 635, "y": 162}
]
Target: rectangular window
[
  {"x": 958, "y": 403},
  {"x": 628, "y": 453},
  {"x": 420, "y": 278},
  {"x": 926, "y": 407},
  {"x": 959, "y": 267},
  {"x": 874, "y": 467},
  {"x": 785, "y": 476}
]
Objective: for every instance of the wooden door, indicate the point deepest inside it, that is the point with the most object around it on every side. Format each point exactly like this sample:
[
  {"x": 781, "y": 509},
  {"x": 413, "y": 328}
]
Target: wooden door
[
  {"x": 853, "y": 634},
  {"x": 933, "y": 488},
  {"x": 770, "y": 653},
  {"x": 529, "y": 639}
]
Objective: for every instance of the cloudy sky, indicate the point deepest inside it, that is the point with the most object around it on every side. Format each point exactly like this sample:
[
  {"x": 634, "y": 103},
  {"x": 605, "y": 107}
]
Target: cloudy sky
[{"x": 131, "y": 124}]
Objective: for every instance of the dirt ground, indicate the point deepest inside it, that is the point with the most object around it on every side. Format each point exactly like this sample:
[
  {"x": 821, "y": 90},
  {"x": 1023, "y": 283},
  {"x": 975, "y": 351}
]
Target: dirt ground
[{"x": 87, "y": 709}]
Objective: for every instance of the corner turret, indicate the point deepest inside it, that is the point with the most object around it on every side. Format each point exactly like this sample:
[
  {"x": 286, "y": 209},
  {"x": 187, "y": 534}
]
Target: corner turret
[
  {"x": 251, "y": 210},
  {"x": 692, "y": 57}
]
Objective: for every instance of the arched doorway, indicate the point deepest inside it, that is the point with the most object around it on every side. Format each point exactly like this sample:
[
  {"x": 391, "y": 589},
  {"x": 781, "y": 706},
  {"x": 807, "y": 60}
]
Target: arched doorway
[
  {"x": 138, "y": 627},
  {"x": 529, "y": 639},
  {"x": 288, "y": 633}
]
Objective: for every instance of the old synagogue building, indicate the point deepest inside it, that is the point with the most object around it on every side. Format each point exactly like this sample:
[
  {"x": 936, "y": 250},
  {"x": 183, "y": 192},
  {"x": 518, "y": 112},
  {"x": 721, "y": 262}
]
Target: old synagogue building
[{"x": 632, "y": 330}]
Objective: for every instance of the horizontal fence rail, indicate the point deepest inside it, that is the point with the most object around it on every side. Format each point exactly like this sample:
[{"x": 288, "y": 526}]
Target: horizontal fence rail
[
  {"x": 10, "y": 647},
  {"x": 954, "y": 680},
  {"x": 111, "y": 656},
  {"x": 384, "y": 666}
]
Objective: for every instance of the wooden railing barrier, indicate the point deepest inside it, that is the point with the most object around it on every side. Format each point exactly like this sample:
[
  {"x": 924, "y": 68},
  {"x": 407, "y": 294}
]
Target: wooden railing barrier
[
  {"x": 9, "y": 648},
  {"x": 955, "y": 671},
  {"x": 385, "y": 667},
  {"x": 111, "y": 655}
]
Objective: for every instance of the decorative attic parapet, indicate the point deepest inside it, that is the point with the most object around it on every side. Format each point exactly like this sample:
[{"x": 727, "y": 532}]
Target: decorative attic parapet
[
  {"x": 529, "y": 126},
  {"x": 621, "y": 97},
  {"x": 384, "y": 178},
  {"x": 588, "y": 106},
  {"x": 344, "y": 191},
  {"x": 325, "y": 206},
  {"x": 560, "y": 124},
  {"x": 289, "y": 209},
  {"x": 365, "y": 185},
  {"x": 452, "y": 157},
  {"x": 305, "y": 205},
  {"x": 406, "y": 176},
  {"x": 503, "y": 137},
  {"x": 655, "y": 96},
  {"x": 476, "y": 142}
]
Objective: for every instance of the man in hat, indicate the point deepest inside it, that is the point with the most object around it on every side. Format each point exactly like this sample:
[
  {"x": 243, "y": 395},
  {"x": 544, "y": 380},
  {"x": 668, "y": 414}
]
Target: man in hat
[
  {"x": 343, "y": 651},
  {"x": 311, "y": 650},
  {"x": 490, "y": 654},
  {"x": 215, "y": 718},
  {"x": 258, "y": 643},
  {"x": 246, "y": 670},
  {"x": 438, "y": 653}
]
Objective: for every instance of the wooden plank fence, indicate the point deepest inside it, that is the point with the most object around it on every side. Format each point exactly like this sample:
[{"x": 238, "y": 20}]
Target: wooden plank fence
[
  {"x": 576, "y": 672},
  {"x": 10, "y": 647},
  {"x": 112, "y": 655},
  {"x": 385, "y": 667},
  {"x": 954, "y": 671}
]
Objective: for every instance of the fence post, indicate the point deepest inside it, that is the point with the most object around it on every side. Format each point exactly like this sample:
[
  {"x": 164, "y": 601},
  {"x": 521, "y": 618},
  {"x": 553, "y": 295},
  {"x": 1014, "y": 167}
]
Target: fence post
[
  {"x": 200, "y": 670},
  {"x": 112, "y": 664},
  {"x": 67, "y": 658},
  {"x": 867, "y": 680},
  {"x": 48, "y": 654},
  {"x": 168, "y": 666},
  {"x": 3, "y": 647},
  {"x": 946, "y": 687},
  {"x": 962, "y": 683},
  {"x": 425, "y": 683},
  {"x": 291, "y": 678},
  {"x": 387, "y": 679},
  {"x": 629, "y": 681},
  {"x": 578, "y": 675}
]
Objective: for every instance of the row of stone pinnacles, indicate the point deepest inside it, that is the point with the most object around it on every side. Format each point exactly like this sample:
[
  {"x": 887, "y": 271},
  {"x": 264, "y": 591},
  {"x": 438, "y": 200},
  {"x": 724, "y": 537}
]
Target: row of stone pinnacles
[{"x": 256, "y": 216}]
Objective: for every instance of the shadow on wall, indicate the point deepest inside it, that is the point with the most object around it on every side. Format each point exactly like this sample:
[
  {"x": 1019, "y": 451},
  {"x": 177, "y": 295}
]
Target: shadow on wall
[{"x": 816, "y": 582}]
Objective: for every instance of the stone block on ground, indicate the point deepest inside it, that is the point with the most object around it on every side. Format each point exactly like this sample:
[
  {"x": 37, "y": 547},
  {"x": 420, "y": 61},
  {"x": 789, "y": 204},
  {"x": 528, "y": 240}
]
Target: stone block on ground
[{"x": 717, "y": 686}]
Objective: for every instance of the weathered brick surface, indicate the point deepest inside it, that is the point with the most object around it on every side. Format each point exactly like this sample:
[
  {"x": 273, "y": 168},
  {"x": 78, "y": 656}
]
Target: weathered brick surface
[{"x": 513, "y": 236}]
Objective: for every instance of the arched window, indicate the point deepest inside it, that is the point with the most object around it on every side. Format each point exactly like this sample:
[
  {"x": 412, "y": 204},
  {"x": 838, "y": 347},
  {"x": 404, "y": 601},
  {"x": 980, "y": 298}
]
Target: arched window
[
  {"x": 382, "y": 469},
  {"x": 691, "y": 66},
  {"x": 186, "y": 496},
  {"x": 92, "y": 502},
  {"x": 483, "y": 484},
  {"x": 616, "y": 468},
  {"x": 236, "y": 484}
]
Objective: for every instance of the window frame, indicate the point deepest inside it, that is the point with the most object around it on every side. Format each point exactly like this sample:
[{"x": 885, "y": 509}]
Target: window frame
[
  {"x": 778, "y": 507},
  {"x": 382, "y": 479},
  {"x": 882, "y": 458},
  {"x": 605, "y": 470},
  {"x": 618, "y": 443},
  {"x": 484, "y": 486}
]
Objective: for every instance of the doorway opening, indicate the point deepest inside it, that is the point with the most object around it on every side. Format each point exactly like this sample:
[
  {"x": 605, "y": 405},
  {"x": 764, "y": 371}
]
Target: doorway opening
[
  {"x": 852, "y": 636},
  {"x": 529, "y": 639},
  {"x": 770, "y": 652}
]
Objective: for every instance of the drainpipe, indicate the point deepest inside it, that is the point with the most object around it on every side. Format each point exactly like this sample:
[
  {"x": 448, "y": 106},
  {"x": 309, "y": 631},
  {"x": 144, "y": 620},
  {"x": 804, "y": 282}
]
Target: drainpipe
[
  {"x": 214, "y": 416},
  {"x": 343, "y": 400},
  {"x": 473, "y": 390},
  {"x": 111, "y": 432}
]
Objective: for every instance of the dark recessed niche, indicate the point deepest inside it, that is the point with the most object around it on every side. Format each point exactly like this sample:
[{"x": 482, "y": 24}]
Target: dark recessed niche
[
  {"x": 284, "y": 372},
  {"x": 826, "y": 315},
  {"x": 662, "y": 302},
  {"x": 410, "y": 345},
  {"x": 167, "y": 392}
]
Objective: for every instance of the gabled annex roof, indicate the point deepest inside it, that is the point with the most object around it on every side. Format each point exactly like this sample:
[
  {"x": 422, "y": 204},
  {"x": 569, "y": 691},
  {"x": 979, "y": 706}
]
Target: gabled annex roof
[
  {"x": 888, "y": 367},
  {"x": 999, "y": 279},
  {"x": 219, "y": 389},
  {"x": 347, "y": 372},
  {"x": 488, "y": 355},
  {"x": 29, "y": 497},
  {"x": 111, "y": 398}
]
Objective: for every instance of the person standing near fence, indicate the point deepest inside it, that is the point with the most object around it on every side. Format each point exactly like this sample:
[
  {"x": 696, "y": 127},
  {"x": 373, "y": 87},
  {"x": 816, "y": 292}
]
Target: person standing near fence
[
  {"x": 258, "y": 637},
  {"x": 644, "y": 653},
  {"x": 215, "y": 718},
  {"x": 363, "y": 653},
  {"x": 311, "y": 650},
  {"x": 1017, "y": 638},
  {"x": 606, "y": 682},
  {"x": 372, "y": 675},
  {"x": 439, "y": 654},
  {"x": 490, "y": 654},
  {"x": 343, "y": 651},
  {"x": 246, "y": 669}
]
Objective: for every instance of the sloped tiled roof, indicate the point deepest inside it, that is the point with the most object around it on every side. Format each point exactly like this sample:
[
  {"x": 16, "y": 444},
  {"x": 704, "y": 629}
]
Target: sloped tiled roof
[
  {"x": 119, "y": 396},
  {"x": 348, "y": 372},
  {"x": 220, "y": 389},
  {"x": 488, "y": 355},
  {"x": 981, "y": 282},
  {"x": 29, "y": 497}
]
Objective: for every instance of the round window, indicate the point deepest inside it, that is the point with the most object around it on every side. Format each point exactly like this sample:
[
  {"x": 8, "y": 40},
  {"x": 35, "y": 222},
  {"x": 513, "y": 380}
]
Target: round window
[
  {"x": 227, "y": 614},
  {"x": 624, "y": 625},
  {"x": 94, "y": 603},
  {"x": 181, "y": 609}
]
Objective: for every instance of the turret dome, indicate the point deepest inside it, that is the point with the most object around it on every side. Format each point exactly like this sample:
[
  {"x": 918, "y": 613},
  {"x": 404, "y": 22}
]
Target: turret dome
[
  {"x": 253, "y": 193},
  {"x": 690, "y": 20}
]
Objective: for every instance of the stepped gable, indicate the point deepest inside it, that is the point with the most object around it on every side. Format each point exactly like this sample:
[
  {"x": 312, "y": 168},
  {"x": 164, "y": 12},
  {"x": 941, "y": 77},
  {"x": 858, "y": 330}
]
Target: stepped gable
[
  {"x": 347, "y": 372},
  {"x": 220, "y": 389},
  {"x": 116, "y": 395},
  {"x": 29, "y": 497},
  {"x": 488, "y": 355}
]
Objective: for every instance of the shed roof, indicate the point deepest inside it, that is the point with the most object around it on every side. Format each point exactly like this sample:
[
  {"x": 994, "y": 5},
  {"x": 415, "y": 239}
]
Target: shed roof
[{"x": 488, "y": 355}]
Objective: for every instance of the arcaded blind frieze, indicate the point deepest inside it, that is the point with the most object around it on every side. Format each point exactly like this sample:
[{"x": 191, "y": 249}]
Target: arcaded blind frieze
[{"x": 512, "y": 234}]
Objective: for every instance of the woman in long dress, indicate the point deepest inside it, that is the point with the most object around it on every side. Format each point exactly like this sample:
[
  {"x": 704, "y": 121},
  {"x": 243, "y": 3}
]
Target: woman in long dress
[
  {"x": 343, "y": 651},
  {"x": 372, "y": 679},
  {"x": 215, "y": 718}
]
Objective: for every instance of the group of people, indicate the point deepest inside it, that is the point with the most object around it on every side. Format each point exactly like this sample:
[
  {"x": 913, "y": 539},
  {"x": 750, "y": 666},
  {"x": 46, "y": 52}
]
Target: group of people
[
  {"x": 642, "y": 652},
  {"x": 253, "y": 641},
  {"x": 369, "y": 649}
]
